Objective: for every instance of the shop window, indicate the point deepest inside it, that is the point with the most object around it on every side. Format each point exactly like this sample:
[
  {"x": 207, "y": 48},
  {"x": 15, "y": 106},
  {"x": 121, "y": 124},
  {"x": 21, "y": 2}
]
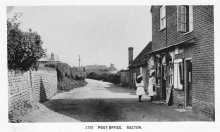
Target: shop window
[{"x": 178, "y": 74}]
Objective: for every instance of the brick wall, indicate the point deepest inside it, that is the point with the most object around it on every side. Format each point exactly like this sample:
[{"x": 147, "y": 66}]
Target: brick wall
[
  {"x": 174, "y": 37},
  {"x": 178, "y": 97},
  {"x": 203, "y": 59},
  {"x": 27, "y": 87},
  {"x": 202, "y": 52},
  {"x": 44, "y": 84},
  {"x": 169, "y": 35},
  {"x": 159, "y": 37},
  {"x": 19, "y": 90}
]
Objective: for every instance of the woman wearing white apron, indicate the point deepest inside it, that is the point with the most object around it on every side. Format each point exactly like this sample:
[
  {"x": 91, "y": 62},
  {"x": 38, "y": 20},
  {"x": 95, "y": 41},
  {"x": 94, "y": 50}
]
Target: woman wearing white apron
[
  {"x": 152, "y": 83},
  {"x": 140, "y": 87}
]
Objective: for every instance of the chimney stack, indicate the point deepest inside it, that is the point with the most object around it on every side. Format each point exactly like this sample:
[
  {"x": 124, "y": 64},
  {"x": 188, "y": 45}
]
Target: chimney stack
[
  {"x": 130, "y": 55},
  {"x": 52, "y": 56}
]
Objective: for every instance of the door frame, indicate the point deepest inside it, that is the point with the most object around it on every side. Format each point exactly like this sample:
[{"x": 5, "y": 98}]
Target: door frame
[
  {"x": 163, "y": 83},
  {"x": 185, "y": 80}
]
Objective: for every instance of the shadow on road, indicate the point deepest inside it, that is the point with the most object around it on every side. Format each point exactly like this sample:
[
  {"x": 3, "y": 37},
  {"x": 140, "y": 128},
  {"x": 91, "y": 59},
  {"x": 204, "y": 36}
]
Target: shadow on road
[
  {"x": 118, "y": 110},
  {"x": 106, "y": 102},
  {"x": 90, "y": 110},
  {"x": 119, "y": 89}
]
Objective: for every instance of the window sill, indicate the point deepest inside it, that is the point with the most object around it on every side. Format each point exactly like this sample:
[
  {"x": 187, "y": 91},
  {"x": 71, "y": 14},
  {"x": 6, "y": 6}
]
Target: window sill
[
  {"x": 181, "y": 90},
  {"x": 187, "y": 32},
  {"x": 162, "y": 29}
]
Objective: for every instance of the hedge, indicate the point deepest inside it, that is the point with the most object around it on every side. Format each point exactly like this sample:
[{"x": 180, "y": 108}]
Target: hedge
[
  {"x": 68, "y": 77},
  {"x": 104, "y": 76}
]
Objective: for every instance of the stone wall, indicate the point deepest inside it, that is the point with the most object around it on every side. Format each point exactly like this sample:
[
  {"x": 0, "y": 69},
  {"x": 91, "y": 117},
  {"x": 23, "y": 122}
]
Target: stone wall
[{"x": 31, "y": 86}]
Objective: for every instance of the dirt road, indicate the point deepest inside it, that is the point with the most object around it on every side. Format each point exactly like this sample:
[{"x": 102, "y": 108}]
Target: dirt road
[{"x": 104, "y": 102}]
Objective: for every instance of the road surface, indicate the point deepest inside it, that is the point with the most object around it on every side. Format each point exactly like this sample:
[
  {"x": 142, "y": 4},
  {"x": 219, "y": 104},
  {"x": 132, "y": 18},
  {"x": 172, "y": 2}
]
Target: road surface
[{"x": 104, "y": 102}]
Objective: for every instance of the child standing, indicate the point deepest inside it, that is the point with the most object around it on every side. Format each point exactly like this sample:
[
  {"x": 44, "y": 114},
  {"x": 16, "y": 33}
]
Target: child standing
[{"x": 140, "y": 87}]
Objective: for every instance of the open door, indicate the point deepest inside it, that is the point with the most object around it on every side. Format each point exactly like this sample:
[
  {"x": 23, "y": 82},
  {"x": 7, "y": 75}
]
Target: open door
[{"x": 188, "y": 81}]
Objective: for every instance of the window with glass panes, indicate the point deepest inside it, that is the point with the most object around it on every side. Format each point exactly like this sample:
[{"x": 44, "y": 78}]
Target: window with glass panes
[
  {"x": 184, "y": 18},
  {"x": 162, "y": 17}
]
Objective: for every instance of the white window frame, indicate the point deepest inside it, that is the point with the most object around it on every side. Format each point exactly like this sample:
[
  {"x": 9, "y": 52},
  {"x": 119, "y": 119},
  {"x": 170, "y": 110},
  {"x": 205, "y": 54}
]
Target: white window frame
[
  {"x": 162, "y": 18},
  {"x": 190, "y": 22},
  {"x": 190, "y": 18},
  {"x": 176, "y": 75},
  {"x": 141, "y": 70}
]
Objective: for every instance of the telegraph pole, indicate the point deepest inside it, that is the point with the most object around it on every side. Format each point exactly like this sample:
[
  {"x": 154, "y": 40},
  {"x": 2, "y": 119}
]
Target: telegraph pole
[{"x": 79, "y": 61}]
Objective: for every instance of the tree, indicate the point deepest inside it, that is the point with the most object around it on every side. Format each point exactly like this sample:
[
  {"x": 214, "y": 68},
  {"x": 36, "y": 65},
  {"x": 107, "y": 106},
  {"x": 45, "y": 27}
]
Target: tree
[{"x": 24, "y": 48}]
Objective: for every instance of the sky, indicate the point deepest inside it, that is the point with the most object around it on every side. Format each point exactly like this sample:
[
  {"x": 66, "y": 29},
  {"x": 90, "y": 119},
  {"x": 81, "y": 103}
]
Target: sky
[{"x": 99, "y": 34}]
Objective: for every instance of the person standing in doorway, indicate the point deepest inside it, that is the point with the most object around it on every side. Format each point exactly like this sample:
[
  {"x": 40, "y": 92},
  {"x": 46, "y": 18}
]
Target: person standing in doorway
[
  {"x": 140, "y": 87},
  {"x": 152, "y": 83}
]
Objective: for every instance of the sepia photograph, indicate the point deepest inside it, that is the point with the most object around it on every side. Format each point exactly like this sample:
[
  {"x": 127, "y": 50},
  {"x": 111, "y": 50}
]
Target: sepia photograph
[{"x": 149, "y": 63}]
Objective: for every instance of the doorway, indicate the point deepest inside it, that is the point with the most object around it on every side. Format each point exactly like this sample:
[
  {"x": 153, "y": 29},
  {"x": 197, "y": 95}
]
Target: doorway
[
  {"x": 163, "y": 78},
  {"x": 188, "y": 81}
]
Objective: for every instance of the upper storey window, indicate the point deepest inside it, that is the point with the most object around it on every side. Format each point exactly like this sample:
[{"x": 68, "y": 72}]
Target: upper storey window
[
  {"x": 162, "y": 17},
  {"x": 184, "y": 18}
]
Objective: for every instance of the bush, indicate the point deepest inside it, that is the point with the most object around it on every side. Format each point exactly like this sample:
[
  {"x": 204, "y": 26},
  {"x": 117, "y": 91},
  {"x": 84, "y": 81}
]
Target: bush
[
  {"x": 24, "y": 48},
  {"x": 68, "y": 77},
  {"x": 105, "y": 76}
]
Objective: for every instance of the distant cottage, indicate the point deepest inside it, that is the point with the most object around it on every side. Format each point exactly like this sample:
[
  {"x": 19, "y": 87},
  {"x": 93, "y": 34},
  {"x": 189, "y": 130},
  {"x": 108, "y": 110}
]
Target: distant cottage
[
  {"x": 112, "y": 69},
  {"x": 89, "y": 68},
  {"x": 48, "y": 58}
]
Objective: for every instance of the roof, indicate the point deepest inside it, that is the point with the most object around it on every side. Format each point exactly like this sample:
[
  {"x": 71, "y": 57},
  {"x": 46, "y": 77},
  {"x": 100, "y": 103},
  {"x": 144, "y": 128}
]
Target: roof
[
  {"x": 143, "y": 57},
  {"x": 112, "y": 68},
  {"x": 95, "y": 67},
  {"x": 124, "y": 70},
  {"x": 48, "y": 58}
]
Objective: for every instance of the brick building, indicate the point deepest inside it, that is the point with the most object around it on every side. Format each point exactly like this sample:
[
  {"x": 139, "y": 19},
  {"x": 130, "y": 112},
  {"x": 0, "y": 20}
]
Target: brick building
[
  {"x": 140, "y": 64},
  {"x": 124, "y": 77},
  {"x": 183, "y": 55}
]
